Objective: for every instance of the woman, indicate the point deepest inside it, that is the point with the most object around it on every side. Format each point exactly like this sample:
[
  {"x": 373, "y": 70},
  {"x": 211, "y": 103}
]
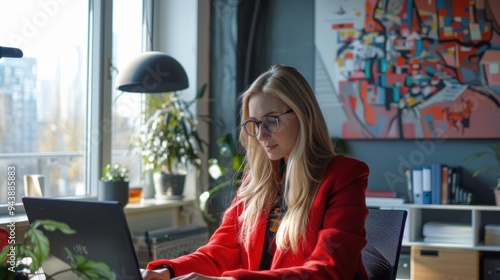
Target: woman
[{"x": 300, "y": 211}]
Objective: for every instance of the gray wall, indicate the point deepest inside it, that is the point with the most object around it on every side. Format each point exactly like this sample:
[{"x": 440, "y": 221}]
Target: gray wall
[
  {"x": 386, "y": 158},
  {"x": 284, "y": 33}
]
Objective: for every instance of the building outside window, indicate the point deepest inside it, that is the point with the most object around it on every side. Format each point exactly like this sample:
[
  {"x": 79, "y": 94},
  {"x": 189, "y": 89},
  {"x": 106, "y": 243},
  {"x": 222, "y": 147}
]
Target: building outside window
[{"x": 44, "y": 96}]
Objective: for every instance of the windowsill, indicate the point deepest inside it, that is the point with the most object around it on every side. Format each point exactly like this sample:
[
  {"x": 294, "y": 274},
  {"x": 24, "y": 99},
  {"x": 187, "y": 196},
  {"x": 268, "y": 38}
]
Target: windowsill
[
  {"x": 149, "y": 205},
  {"x": 18, "y": 219},
  {"x": 144, "y": 206}
]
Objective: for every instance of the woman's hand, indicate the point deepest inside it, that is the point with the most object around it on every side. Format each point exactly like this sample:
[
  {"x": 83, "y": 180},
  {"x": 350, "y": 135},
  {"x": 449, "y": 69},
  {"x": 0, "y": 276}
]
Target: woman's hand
[
  {"x": 196, "y": 276},
  {"x": 158, "y": 274},
  {"x": 164, "y": 274}
]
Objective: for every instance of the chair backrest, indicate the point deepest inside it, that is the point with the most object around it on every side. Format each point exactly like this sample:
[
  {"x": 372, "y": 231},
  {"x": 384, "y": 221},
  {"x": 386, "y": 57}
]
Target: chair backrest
[{"x": 384, "y": 233}]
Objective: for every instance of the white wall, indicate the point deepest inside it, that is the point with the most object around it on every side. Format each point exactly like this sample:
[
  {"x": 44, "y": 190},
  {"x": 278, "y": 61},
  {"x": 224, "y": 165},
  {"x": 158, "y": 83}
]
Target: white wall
[{"x": 182, "y": 30}]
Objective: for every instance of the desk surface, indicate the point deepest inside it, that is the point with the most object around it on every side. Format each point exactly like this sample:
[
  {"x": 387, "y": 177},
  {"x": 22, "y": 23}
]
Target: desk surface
[{"x": 145, "y": 205}]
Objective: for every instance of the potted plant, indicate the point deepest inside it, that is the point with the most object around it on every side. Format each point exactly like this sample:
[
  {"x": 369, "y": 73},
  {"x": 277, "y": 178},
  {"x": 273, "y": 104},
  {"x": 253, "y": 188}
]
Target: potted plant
[
  {"x": 115, "y": 184},
  {"x": 226, "y": 174},
  {"x": 36, "y": 247},
  {"x": 494, "y": 152},
  {"x": 168, "y": 142}
]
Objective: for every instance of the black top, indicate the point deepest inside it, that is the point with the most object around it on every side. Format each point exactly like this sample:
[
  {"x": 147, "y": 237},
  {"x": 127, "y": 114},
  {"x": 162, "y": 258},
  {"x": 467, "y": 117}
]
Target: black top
[{"x": 273, "y": 222}]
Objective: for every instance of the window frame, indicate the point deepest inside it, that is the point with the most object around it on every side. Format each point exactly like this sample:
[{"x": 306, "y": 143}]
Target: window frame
[
  {"x": 99, "y": 116},
  {"x": 98, "y": 132}
]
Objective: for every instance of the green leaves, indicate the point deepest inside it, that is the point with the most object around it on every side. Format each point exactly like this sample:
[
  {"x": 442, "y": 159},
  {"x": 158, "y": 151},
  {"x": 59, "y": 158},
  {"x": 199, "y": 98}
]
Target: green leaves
[
  {"x": 115, "y": 173},
  {"x": 37, "y": 248},
  {"x": 228, "y": 149},
  {"x": 169, "y": 139},
  {"x": 494, "y": 152},
  {"x": 231, "y": 160},
  {"x": 38, "y": 245},
  {"x": 88, "y": 269}
]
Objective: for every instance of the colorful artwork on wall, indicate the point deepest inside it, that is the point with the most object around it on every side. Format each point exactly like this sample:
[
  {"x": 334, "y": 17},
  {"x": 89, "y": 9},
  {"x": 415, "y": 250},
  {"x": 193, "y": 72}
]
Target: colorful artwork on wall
[{"x": 409, "y": 69}]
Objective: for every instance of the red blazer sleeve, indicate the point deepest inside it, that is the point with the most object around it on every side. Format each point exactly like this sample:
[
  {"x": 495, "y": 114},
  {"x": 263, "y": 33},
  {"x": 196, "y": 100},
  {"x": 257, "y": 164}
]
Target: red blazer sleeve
[
  {"x": 221, "y": 253},
  {"x": 334, "y": 238}
]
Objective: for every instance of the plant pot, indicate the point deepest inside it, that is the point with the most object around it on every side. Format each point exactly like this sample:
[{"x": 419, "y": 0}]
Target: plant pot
[
  {"x": 148, "y": 190},
  {"x": 169, "y": 186},
  {"x": 114, "y": 191},
  {"x": 497, "y": 196}
]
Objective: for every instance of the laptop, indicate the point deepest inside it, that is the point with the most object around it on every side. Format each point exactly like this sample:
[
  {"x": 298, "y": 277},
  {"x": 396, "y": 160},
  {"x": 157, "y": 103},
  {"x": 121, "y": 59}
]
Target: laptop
[{"x": 102, "y": 235}]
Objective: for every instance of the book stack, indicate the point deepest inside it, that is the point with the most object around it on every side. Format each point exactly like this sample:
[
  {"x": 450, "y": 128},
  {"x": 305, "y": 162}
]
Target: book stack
[
  {"x": 437, "y": 232},
  {"x": 437, "y": 184},
  {"x": 382, "y": 197},
  {"x": 492, "y": 234}
]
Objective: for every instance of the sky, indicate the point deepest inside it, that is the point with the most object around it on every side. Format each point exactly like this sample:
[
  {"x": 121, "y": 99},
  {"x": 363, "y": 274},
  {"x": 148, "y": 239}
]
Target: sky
[{"x": 40, "y": 29}]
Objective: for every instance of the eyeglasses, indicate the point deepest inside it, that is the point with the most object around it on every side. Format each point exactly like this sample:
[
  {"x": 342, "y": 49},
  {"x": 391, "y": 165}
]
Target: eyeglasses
[{"x": 270, "y": 124}]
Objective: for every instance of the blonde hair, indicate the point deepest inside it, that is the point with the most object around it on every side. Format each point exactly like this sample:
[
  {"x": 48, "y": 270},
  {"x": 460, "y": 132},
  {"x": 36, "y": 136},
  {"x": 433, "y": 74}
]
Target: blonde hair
[{"x": 309, "y": 157}]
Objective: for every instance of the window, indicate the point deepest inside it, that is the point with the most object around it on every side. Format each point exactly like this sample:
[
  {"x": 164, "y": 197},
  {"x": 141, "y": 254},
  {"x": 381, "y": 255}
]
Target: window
[
  {"x": 43, "y": 95},
  {"x": 126, "y": 107},
  {"x": 50, "y": 98}
]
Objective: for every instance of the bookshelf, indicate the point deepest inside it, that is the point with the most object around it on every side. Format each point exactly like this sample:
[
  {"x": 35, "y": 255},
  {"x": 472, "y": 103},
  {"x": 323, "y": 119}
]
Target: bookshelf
[
  {"x": 474, "y": 215},
  {"x": 443, "y": 253}
]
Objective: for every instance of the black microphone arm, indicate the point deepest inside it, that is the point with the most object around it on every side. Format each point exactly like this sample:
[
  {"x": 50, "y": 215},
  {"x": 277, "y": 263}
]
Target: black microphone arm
[{"x": 10, "y": 52}]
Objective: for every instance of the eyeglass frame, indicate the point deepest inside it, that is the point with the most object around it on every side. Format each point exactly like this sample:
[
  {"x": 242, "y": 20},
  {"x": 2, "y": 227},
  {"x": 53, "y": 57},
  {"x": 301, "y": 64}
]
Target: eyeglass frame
[{"x": 258, "y": 123}]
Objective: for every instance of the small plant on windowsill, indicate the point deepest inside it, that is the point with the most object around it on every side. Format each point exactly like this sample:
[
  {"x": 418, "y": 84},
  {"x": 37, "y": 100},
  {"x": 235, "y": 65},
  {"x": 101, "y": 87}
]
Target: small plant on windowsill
[
  {"x": 494, "y": 153},
  {"x": 36, "y": 248},
  {"x": 115, "y": 184},
  {"x": 115, "y": 173}
]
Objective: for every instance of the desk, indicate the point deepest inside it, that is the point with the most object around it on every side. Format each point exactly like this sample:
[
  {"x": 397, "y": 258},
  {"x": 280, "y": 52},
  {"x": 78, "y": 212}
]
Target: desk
[{"x": 144, "y": 215}]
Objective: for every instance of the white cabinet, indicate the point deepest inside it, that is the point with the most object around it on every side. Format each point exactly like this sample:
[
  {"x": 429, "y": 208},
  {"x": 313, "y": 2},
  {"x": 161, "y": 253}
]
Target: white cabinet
[{"x": 475, "y": 216}]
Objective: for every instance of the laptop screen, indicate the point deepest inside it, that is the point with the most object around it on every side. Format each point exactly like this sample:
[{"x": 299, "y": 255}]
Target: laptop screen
[{"x": 102, "y": 235}]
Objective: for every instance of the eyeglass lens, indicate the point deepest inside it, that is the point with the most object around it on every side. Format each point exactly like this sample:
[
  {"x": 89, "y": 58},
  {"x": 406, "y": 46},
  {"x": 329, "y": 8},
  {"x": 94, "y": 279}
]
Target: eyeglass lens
[{"x": 270, "y": 125}]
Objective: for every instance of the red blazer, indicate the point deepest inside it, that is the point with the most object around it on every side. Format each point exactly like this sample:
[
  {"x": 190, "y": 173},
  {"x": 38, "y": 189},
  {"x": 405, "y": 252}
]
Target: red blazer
[{"x": 335, "y": 236}]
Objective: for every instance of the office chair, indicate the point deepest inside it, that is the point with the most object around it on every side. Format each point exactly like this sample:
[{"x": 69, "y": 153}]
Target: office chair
[{"x": 384, "y": 233}]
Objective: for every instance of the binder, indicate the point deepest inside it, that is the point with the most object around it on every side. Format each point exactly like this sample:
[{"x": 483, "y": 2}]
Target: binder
[
  {"x": 426, "y": 185},
  {"x": 451, "y": 170},
  {"x": 409, "y": 186},
  {"x": 436, "y": 183},
  {"x": 456, "y": 183},
  {"x": 417, "y": 185},
  {"x": 445, "y": 198}
]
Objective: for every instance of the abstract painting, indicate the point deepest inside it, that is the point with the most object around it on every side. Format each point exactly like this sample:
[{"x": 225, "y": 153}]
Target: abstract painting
[{"x": 408, "y": 69}]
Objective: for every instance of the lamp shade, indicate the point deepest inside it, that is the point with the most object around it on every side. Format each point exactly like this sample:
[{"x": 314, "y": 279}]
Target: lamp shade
[{"x": 152, "y": 72}]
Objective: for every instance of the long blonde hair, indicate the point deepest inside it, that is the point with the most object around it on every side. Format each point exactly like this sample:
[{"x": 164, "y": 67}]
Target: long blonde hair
[{"x": 312, "y": 151}]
